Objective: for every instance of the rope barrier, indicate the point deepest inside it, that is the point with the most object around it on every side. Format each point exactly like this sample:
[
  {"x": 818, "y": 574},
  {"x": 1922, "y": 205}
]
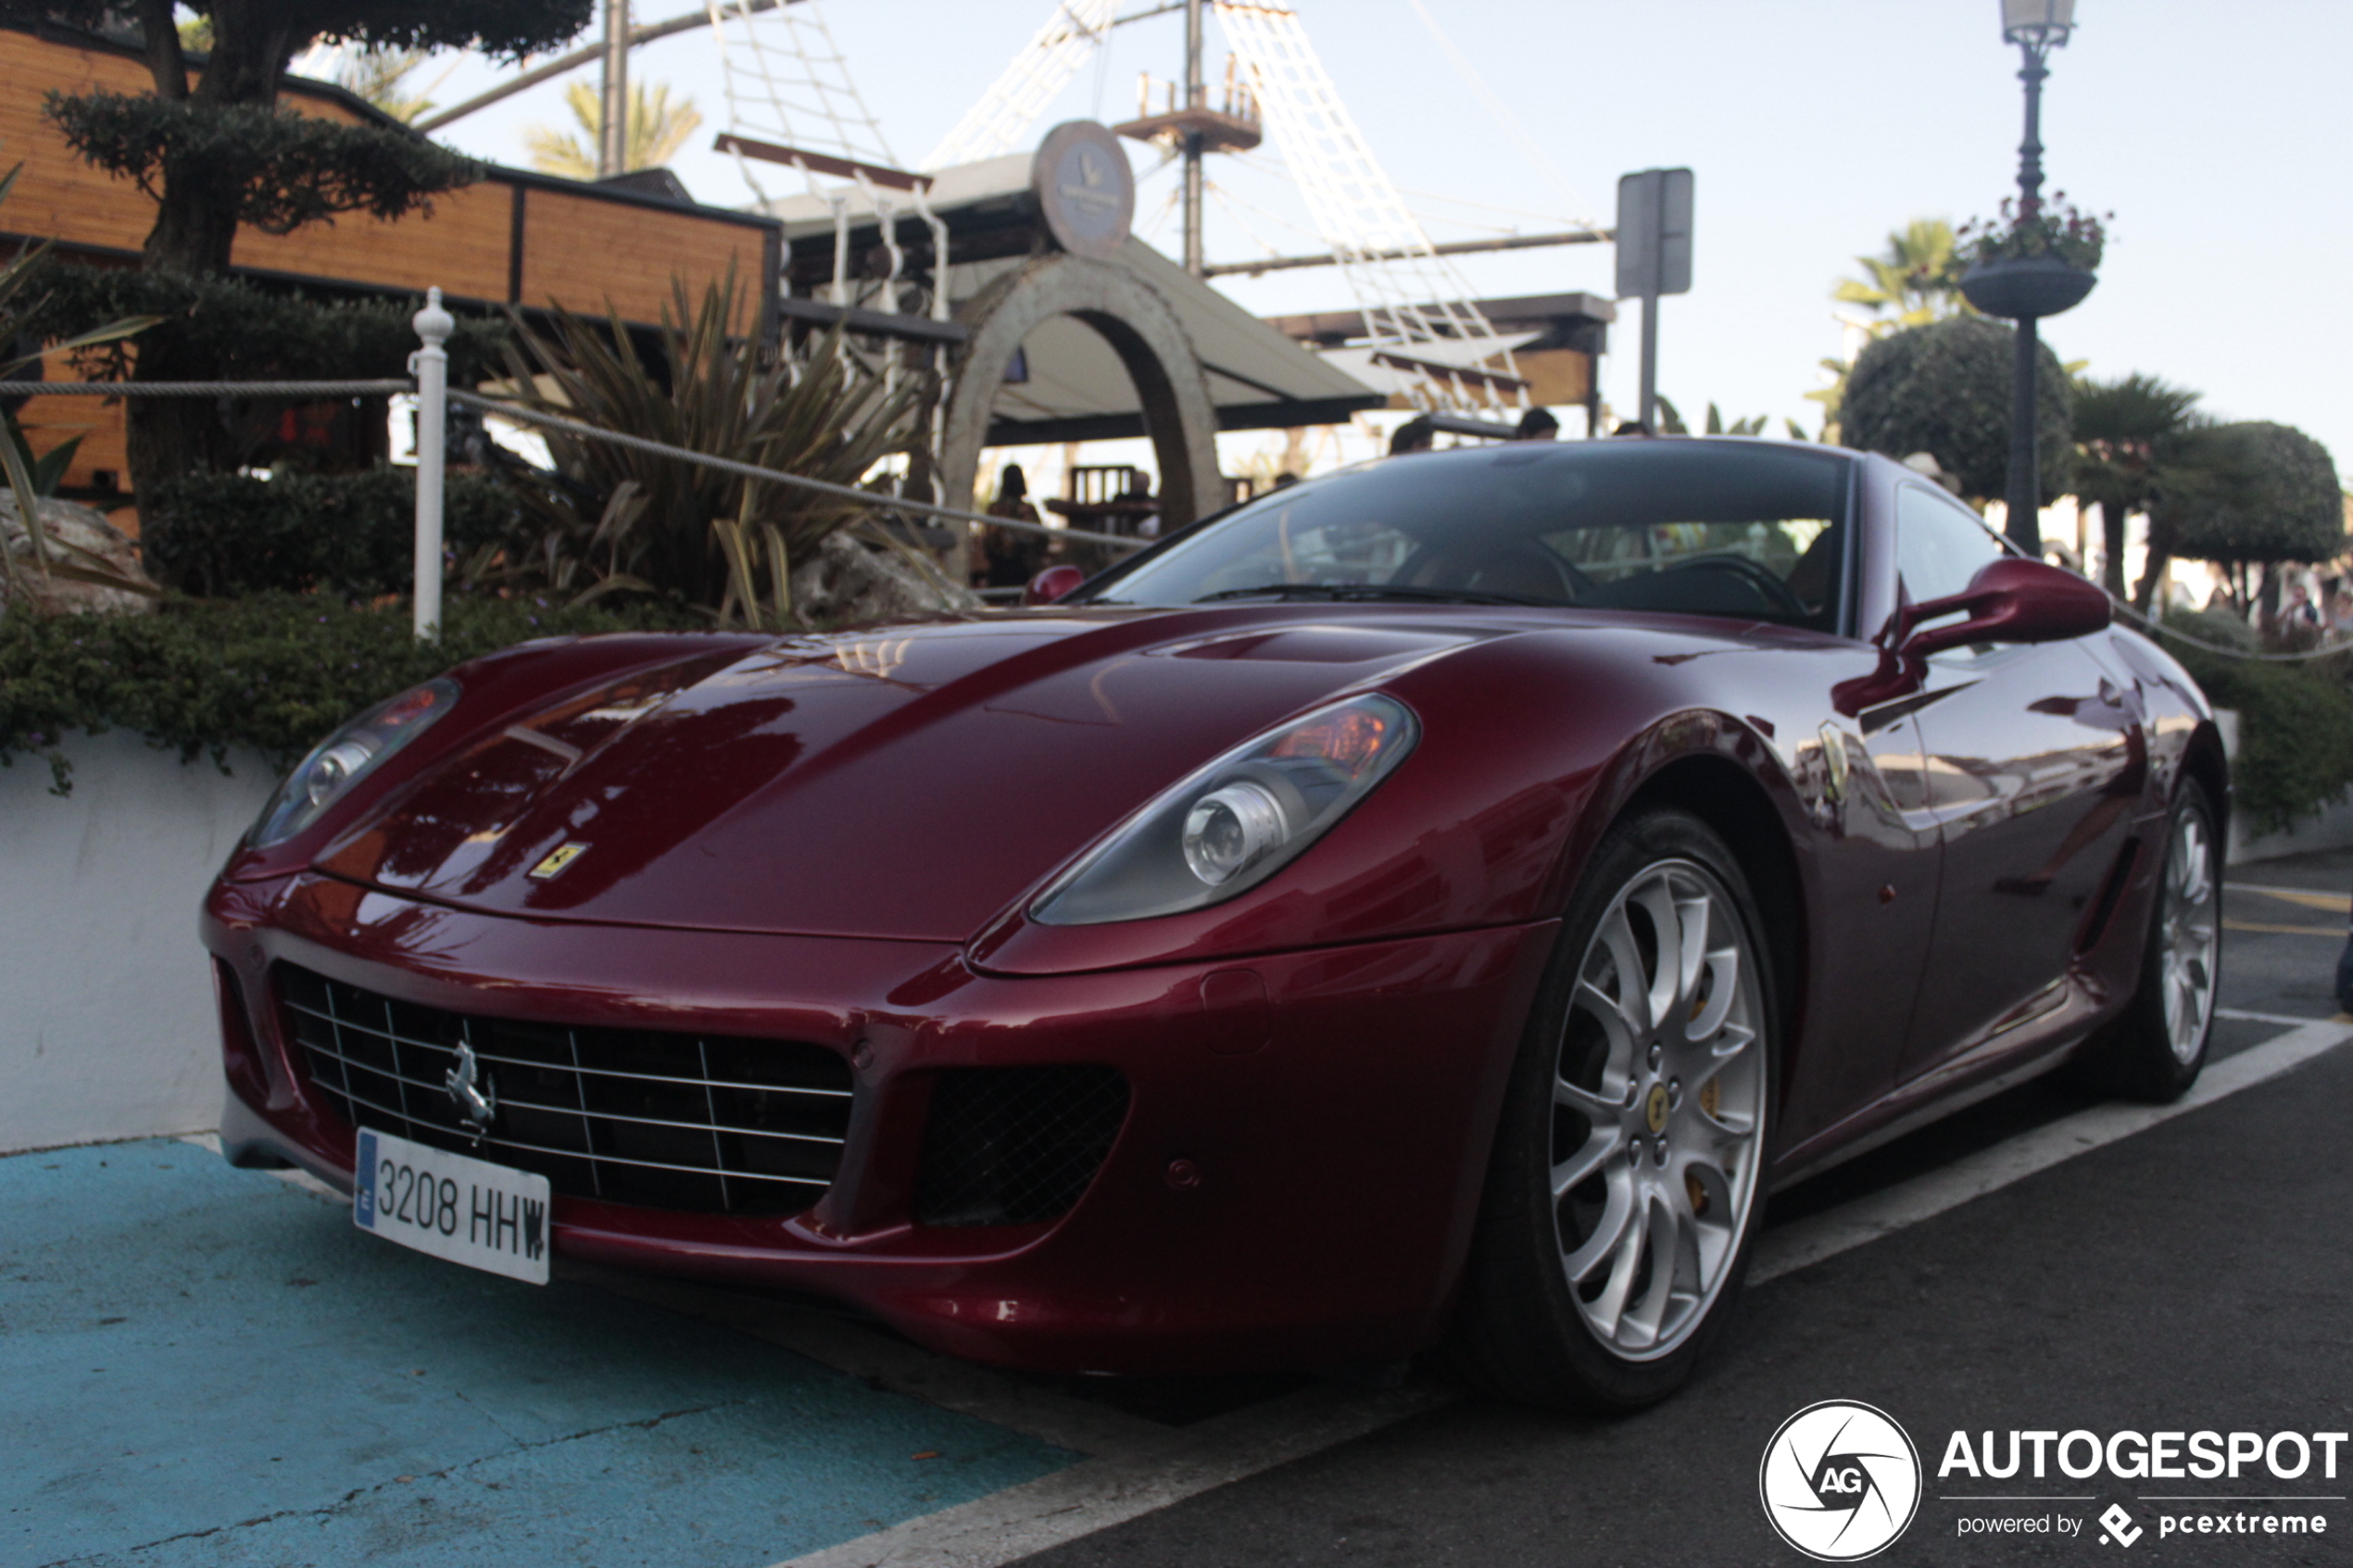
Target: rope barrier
[
  {"x": 751, "y": 471},
  {"x": 204, "y": 388},
  {"x": 2164, "y": 631},
  {"x": 532, "y": 416}
]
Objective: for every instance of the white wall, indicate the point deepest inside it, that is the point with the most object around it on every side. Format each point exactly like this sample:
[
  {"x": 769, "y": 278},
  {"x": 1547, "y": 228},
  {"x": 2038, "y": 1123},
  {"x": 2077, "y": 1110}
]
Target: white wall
[{"x": 106, "y": 1021}]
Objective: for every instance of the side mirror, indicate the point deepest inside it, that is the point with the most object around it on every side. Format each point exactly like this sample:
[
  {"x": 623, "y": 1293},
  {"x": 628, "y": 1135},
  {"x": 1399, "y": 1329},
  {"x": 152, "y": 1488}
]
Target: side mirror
[
  {"x": 1051, "y": 585},
  {"x": 2010, "y": 600}
]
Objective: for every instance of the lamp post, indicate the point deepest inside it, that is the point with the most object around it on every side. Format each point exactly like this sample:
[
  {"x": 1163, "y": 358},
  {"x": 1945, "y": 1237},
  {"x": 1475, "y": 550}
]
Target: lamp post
[{"x": 2037, "y": 26}]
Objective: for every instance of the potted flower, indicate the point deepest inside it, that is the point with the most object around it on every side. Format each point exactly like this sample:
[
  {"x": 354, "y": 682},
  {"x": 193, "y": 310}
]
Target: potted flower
[{"x": 2030, "y": 263}]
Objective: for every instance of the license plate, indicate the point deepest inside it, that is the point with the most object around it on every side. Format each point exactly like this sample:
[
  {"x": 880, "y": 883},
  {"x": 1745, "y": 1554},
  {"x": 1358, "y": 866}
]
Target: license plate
[{"x": 452, "y": 1205}]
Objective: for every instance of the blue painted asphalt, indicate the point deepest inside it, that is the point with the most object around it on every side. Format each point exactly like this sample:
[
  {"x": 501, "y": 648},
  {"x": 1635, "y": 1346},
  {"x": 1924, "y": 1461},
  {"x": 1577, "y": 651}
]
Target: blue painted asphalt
[{"x": 203, "y": 1365}]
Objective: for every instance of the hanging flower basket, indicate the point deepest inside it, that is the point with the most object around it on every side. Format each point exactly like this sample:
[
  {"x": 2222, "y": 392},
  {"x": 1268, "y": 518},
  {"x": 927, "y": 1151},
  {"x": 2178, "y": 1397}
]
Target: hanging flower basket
[
  {"x": 2031, "y": 265},
  {"x": 2026, "y": 286}
]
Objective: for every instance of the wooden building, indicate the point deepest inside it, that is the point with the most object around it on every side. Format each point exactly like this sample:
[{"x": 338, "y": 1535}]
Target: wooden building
[{"x": 512, "y": 238}]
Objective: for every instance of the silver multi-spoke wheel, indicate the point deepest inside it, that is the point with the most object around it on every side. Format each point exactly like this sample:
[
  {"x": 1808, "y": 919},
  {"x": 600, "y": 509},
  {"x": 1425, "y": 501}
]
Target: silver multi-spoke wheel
[
  {"x": 1660, "y": 1097},
  {"x": 2190, "y": 940}
]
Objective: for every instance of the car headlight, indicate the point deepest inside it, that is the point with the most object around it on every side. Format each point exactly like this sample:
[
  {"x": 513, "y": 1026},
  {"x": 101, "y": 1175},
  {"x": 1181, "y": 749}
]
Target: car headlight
[
  {"x": 346, "y": 757},
  {"x": 1234, "y": 824}
]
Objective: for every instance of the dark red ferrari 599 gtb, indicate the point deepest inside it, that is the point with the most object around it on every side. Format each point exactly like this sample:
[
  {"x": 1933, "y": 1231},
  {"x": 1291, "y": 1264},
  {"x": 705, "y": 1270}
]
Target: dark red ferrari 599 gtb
[{"x": 1428, "y": 905}]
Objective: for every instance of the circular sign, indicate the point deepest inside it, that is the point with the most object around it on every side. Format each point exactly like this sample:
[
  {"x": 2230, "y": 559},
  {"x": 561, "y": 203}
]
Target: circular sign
[
  {"x": 1839, "y": 1481},
  {"x": 1085, "y": 191}
]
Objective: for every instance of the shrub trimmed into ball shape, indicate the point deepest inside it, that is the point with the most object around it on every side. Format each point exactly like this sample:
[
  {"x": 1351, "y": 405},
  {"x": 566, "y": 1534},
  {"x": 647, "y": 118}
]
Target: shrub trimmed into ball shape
[
  {"x": 1945, "y": 389},
  {"x": 2274, "y": 498}
]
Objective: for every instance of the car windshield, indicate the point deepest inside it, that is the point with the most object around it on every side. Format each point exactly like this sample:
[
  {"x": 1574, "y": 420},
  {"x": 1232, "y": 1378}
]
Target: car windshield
[{"x": 1750, "y": 531}]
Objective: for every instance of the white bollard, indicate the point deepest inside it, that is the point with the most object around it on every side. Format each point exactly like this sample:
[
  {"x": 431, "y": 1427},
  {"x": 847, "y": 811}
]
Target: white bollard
[{"x": 430, "y": 365}]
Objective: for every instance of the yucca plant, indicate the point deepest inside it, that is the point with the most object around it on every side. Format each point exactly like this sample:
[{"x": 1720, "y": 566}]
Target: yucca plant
[
  {"x": 687, "y": 530},
  {"x": 29, "y": 479}
]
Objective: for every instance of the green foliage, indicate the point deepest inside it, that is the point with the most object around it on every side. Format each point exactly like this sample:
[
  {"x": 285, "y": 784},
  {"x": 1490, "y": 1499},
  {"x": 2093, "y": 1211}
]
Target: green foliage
[
  {"x": 274, "y": 168},
  {"x": 28, "y": 479},
  {"x": 2055, "y": 229},
  {"x": 722, "y": 395},
  {"x": 48, "y": 471},
  {"x": 1945, "y": 389},
  {"x": 1913, "y": 281},
  {"x": 276, "y": 672},
  {"x": 1671, "y": 421},
  {"x": 2128, "y": 450},
  {"x": 2296, "y": 733},
  {"x": 2121, "y": 429},
  {"x": 240, "y": 330},
  {"x": 378, "y": 75},
  {"x": 216, "y": 535},
  {"x": 654, "y": 129},
  {"x": 506, "y": 29},
  {"x": 2265, "y": 493},
  {"x": 215, "y": 149}
]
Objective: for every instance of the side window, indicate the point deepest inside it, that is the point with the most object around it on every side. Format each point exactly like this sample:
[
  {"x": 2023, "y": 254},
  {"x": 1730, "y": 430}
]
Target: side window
[{"x": 1940, "y": 544}]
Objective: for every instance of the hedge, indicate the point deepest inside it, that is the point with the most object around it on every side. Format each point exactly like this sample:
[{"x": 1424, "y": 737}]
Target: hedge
[
  {"x": 2296, "y": 733},
  {"x": 276, "y": 671},
  {"x": 2279, "y": 498},
  {"x": 218, "y": 534},
  {"x": 1945, "y": 389}
]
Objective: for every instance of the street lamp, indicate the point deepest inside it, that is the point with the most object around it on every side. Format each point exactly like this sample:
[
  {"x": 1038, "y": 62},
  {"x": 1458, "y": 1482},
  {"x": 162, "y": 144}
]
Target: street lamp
[{"x": 2037, "y": 26}]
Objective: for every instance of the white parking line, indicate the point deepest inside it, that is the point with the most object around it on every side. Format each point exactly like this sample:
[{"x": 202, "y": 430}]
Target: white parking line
[
  {"x": 1098, "y": 1493},
  {"x": 1867, "y": 1218},
  {"x": 2241, "y": 1015}
]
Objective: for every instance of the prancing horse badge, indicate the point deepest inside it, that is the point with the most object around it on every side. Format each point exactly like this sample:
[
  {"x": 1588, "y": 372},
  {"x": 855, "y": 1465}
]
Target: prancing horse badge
[{"x": 558, "y": 859}]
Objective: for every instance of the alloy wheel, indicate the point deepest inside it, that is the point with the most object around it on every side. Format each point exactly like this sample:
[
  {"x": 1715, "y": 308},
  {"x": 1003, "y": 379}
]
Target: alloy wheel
[
  {"x": 1658, "y": 1110},
  {"x": 2191, "y": 937}
]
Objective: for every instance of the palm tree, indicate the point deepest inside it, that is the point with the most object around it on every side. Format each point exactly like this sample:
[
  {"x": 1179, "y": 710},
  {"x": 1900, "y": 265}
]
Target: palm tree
[
  {"x": 377, "y": 74},
  {"x": 2124, "y": 431},
  {"x": 657, "y": 127},
  {"x": 1913, "y": 281}
]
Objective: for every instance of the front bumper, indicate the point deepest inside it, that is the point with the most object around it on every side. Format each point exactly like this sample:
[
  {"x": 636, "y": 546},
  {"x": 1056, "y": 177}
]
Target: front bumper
[{"x": 1294, "y": 1184}]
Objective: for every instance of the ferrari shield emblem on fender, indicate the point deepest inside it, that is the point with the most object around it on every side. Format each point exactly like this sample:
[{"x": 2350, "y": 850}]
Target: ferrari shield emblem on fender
[{"x": 557, "y": 859}]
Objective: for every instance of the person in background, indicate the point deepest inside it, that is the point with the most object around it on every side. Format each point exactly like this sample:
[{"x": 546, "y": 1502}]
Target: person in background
[
  {"x": 1538, "y": 424},
  {"x": 2341, "y": 610},
  {"x": 1417, "y": 435},
  {"x": 1011, "y": 556},
  {"x": 1285, "y": 480},
  {"x": 2298, "y": 626}
]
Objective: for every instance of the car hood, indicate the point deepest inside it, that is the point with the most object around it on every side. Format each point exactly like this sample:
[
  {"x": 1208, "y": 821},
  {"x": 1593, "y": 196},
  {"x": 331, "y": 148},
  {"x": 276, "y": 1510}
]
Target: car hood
[{"x": 910, "y": 782}]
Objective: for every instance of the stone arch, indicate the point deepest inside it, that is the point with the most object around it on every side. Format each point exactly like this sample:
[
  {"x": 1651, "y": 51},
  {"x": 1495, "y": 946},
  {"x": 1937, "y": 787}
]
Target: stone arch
[{"x": 1141, "y": 326}]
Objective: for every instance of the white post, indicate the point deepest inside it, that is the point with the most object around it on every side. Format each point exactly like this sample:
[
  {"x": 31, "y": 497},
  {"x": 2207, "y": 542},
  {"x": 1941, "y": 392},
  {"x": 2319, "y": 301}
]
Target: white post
[{"x": 430, "y": 365}]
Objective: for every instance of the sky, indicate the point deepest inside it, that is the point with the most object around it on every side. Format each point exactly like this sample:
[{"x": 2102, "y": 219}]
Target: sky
[{"x": 2218, "y": 136}]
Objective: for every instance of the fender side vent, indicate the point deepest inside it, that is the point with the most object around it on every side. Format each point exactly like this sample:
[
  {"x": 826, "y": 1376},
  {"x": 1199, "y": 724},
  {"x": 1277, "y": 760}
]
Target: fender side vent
[
  {"x": 1014, "y": 1146},
  {"x": 2104, "y": 907}
]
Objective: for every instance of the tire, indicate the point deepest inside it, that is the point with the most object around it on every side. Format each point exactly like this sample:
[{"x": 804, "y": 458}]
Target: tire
[
  {"x": 2156, "y": 1049},
  {"x": 1633, "y": 1133}
]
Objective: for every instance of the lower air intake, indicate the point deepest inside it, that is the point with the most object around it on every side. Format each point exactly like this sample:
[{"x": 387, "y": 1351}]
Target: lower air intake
[{"x": 1016, "y": 1145}]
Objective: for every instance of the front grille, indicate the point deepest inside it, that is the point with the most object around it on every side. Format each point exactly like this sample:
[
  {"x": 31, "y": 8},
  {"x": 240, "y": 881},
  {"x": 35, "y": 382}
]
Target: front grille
[
  {"x": 702, "y": 1123},
  {"x": 1015, "y": 1144}
]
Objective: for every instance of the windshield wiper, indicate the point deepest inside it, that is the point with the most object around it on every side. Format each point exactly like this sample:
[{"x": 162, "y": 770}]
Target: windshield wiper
[{"x": 1348, "y": 590}]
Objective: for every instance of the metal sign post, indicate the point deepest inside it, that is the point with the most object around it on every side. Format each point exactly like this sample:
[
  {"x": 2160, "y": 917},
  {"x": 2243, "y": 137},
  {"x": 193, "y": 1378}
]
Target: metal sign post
[{"x": 1654, "y": 256}]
